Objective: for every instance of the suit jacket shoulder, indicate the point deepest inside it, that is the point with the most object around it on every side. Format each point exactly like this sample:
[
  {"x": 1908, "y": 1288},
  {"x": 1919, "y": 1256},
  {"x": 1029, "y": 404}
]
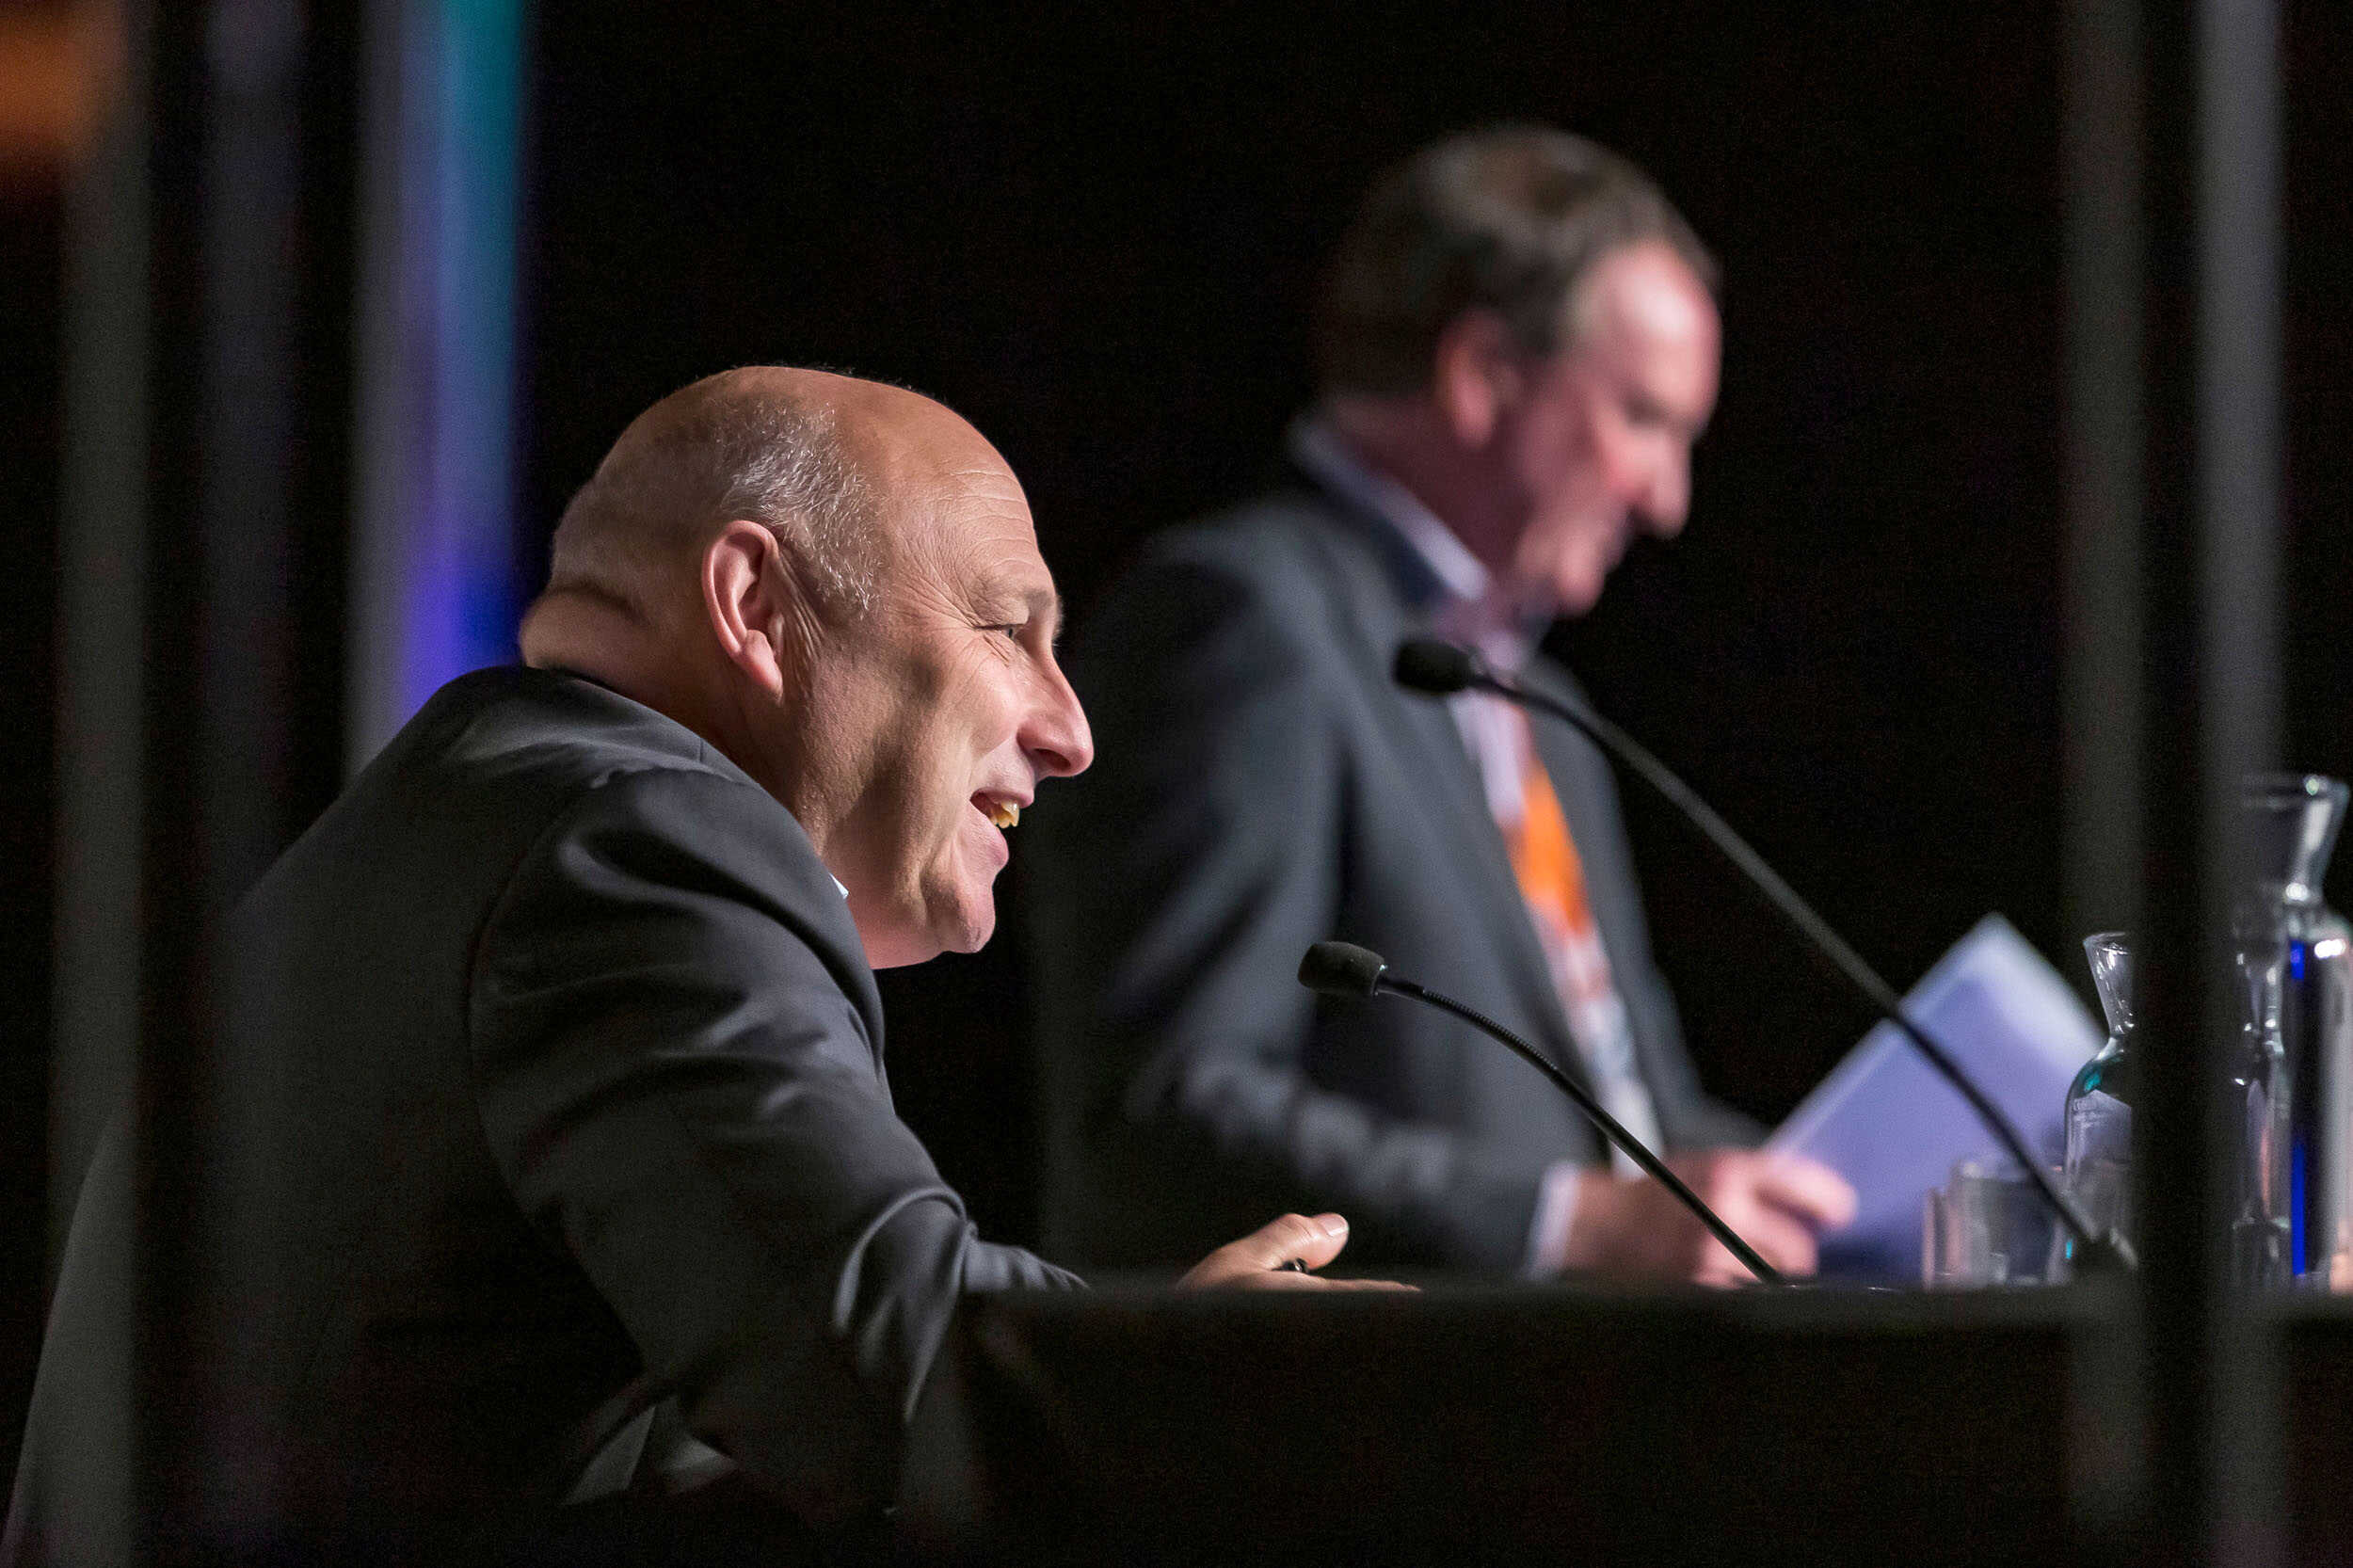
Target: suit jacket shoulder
[{"x": 1291, "y": 556}]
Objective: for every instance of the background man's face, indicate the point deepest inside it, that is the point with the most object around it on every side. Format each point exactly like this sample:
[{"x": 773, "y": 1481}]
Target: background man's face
[
  {"x": 1600, "y": 441},
  {"x": 945, "y": 707}
]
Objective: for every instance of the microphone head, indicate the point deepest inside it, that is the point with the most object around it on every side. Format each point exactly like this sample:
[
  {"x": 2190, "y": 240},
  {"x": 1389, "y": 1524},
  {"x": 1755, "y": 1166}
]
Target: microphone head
[
  {"x": 1432, "y": 665},
  {"x": 1341, "y": 970}
]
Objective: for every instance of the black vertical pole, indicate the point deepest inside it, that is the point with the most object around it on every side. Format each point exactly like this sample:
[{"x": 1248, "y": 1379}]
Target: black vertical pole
[
  {"x": 201, "y": 554},
  {"x": 102, "y": 595},
  {"x": 226, "y": 264},
  {"x": 2102, "y": 115},
  {"x": 238, "y": 733},
  {"x": 2240, "y": 464},
  {"x": 2212, "y": 715},
  {"x": 2104, "y": 823},
  {"x": 174, "y": 901}
]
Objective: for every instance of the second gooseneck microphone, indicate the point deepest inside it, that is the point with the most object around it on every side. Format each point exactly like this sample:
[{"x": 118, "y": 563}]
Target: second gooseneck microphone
[
  {"x": 1344, "y": 970},
  {"x": 1439, "y": 668}
]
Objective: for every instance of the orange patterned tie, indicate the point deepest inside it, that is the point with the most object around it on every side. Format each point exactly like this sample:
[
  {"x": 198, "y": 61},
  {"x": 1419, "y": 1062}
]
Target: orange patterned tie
[
  {"x": 1552, "y": 882},
  {"x": 1552, "y": 879}
]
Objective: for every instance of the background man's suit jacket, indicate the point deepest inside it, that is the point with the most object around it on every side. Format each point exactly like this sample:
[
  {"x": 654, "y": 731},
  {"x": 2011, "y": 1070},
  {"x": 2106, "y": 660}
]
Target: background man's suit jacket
[
  {"x": 1261, "y": 784},
  {"x": 556, "y": 1071}
]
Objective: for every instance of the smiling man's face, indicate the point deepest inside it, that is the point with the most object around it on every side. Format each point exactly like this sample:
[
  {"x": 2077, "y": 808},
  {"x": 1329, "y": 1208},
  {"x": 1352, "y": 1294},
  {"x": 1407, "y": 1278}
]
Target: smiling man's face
[{"x": 940, "y": 709}]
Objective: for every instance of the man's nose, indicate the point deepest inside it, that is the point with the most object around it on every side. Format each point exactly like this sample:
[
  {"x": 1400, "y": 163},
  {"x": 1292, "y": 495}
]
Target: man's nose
[
  {"x": 1057, "y": 737},
  {"x": 1666, "y": 498}
]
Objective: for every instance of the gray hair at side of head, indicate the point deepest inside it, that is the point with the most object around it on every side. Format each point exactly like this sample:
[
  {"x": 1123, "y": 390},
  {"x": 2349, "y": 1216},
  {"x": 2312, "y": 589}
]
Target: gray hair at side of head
[
  {"x": 1508, "y": 220},
  {"x": 719, "y": 451}
]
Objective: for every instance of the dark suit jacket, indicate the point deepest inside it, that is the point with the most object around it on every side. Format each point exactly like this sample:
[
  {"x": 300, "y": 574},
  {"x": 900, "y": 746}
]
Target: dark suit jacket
[
  {"x": 1261, "y": 785},
  {"x": 554, "y": 1072}
]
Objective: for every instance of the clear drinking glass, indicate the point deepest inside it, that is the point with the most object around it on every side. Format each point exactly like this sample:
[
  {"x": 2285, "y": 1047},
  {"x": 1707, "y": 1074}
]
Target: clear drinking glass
[{"x": 1988, "y": 1226}]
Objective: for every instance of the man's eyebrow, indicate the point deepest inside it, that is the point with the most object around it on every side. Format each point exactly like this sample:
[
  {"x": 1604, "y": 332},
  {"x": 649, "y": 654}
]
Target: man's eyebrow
[
  {"x": 1042, "y": 601},
  {"x": 1038, "y": 598},
  {"x": 1046, "y": 604}
]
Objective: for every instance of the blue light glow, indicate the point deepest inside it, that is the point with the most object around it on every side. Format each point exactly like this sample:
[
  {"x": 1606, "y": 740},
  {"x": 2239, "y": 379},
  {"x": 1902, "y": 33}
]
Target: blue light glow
[{"x": 435, "y": 589}]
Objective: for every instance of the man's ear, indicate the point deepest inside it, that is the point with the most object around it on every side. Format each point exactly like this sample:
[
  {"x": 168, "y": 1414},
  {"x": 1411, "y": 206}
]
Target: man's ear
[
  {"x": 752, "y": 602},
  {"x": 1475, "y": 375}
]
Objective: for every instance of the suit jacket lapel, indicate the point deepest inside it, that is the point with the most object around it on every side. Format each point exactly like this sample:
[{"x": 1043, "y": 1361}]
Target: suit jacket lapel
[{"x": 1382, "y": 614}]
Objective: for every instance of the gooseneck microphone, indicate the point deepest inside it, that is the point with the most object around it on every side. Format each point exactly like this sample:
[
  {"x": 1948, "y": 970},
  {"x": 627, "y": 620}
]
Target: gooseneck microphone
[
  {"x": 1344, "y": 970},
  {"x": 1439, "y": 668}
]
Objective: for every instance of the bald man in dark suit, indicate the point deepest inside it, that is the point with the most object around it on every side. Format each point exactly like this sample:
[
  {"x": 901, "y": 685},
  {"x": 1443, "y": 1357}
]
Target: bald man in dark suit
[{"x": 553, "y": 1161}]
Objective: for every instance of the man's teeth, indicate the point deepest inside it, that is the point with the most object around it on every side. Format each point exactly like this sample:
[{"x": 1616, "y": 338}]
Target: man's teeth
[{"x": 1005, "y": 813}]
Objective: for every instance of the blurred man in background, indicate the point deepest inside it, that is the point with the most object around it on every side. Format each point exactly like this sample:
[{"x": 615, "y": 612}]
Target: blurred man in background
[{"x": 1518, "y": 344}]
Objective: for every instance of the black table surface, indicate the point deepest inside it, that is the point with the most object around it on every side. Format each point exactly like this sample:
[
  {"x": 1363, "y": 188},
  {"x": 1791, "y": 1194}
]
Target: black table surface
[{"x": 1568, "y": 1425}]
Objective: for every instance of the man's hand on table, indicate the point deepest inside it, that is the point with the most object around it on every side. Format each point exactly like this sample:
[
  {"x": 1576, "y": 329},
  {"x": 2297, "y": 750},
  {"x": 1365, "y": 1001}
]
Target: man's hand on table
[
  {"x": 1262, "y": 1260},
  {"x": 1632, "y": 1228}
]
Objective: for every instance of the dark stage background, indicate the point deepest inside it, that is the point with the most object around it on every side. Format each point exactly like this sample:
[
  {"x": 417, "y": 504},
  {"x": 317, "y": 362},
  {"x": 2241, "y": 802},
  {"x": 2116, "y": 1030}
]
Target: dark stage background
[
  {"x": 1094, "y": 233},
  {"x": 1094, "y": 229}
]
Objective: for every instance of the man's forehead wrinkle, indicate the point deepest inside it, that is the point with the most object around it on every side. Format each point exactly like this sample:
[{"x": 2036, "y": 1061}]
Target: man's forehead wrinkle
[
  {"x": 995, "y": 556},
  {"x": 984, "y": 475},
  {"x": 933, "y": 457},
  {"x": 964, "y": 554}
]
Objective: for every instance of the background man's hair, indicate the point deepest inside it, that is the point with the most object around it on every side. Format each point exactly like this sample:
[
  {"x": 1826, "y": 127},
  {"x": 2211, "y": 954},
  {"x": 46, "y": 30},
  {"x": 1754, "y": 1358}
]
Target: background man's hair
[
  {"x": 1510, "y": 220},
  {"x": 723, "y": 448}
]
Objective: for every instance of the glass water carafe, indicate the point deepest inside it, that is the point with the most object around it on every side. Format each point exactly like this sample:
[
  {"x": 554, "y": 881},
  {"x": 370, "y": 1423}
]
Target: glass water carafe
[
  {"x": 2099, "y": 1101},
  {"x": 2256, "y": 1087},
  {"x": 2300, "y": 952}
]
